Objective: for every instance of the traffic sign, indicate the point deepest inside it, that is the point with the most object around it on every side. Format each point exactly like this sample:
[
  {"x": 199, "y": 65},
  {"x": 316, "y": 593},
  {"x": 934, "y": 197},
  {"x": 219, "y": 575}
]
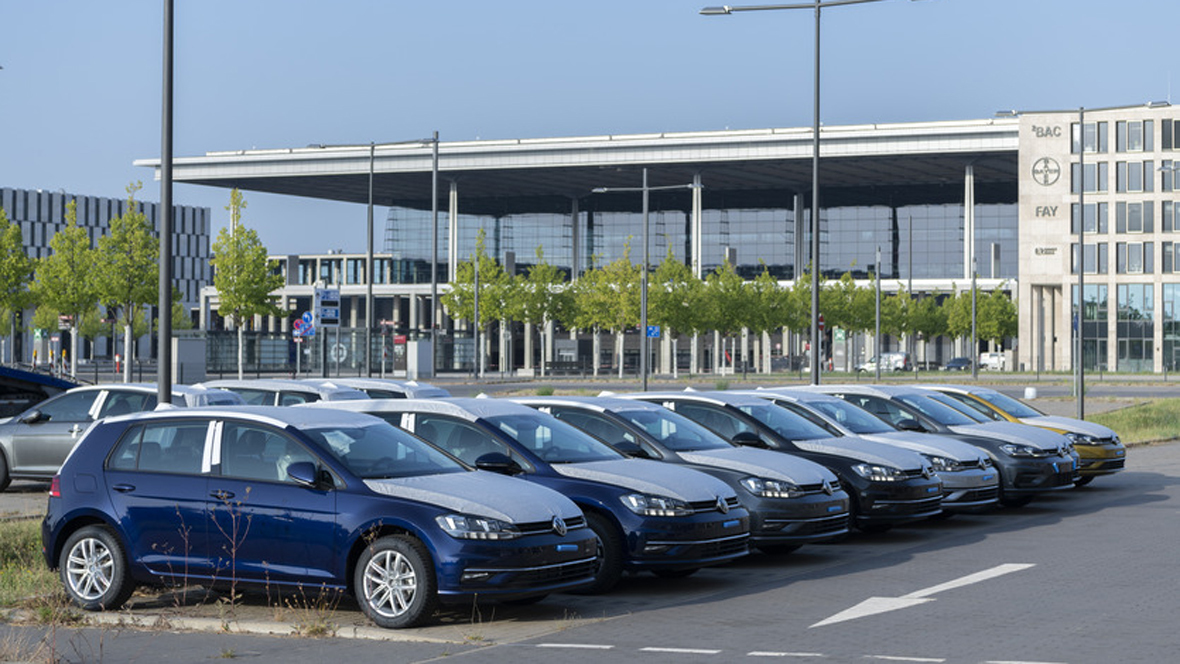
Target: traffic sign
[
  {"x": 327, "y": 306},
  {"x": 653, "y": 331}
]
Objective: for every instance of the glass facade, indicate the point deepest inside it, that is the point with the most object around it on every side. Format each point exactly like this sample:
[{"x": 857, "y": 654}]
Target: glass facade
[
  {"x": 1136, "y": 327},
  {"x": 1095, "y": 327}
]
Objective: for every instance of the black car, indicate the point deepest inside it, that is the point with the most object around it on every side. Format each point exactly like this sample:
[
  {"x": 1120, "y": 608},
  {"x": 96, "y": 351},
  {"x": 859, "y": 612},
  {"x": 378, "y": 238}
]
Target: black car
[
  {"x": 957, "y": 364},
  {"x": 887, "y": 486}
]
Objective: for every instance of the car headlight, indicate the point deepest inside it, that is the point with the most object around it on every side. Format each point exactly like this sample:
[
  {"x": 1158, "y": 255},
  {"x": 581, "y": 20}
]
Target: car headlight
[
  {"x": 648, "y": 505},
  {"x": 1082, "y": 439},
  {"x": 461, "y": 526},
  {"x": 1026, "y": 451},
  {"x": 944, "y": 464},
  {"x": 877, "y": 473},
  {"x": 764, "y": 488}
]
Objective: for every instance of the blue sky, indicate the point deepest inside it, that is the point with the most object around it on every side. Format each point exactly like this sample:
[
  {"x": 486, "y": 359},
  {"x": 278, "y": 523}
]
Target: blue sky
[{"x": 80, "y": 84}]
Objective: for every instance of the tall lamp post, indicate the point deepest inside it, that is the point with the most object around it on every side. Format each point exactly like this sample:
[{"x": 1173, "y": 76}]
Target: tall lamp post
[
  {"x": 643, "y": 352},
  {"x": 164, "y": 334},
  {"x": 817, "y": 5}
]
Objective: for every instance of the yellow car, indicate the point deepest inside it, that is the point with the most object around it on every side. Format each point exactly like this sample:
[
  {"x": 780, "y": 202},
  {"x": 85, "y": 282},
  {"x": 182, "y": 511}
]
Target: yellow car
[{"x": 1098, "y": 447}]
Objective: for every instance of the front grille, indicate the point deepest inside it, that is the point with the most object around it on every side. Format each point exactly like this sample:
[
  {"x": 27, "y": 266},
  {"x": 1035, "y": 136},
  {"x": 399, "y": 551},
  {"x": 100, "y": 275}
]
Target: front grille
[
  {"x": 729, "y": 546},
  {"x": 528, "y": 577},
  {"x": 912, "y": 506},
  {"x": 979, "y": 495},
  {"x": 811, "y": 489},
  {"x": 703, "y": 506},
  {"x": 546, "y": 527},
  {"x": 832, "y": 524},
  {"x": 916, "y": 472}
]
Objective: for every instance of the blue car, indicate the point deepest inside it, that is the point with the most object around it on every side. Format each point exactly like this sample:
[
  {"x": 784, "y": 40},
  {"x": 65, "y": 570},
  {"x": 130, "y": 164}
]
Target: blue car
[
  {"x": 647, "y": 516},
  {"x": 321, "y": 500}
]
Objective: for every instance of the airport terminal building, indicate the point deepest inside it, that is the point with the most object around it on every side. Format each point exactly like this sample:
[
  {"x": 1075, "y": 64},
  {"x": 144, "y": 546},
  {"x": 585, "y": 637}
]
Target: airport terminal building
[{"x": 1010, "y": 195}]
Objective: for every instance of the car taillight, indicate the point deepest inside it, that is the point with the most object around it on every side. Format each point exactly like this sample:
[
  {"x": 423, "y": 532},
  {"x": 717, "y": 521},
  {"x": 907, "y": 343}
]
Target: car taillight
[{"x": 55, "y": 487}]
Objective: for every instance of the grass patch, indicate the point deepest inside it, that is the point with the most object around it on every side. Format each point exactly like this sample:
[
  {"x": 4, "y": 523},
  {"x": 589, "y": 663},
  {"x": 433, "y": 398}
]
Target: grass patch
[
  {"x": 1148, "y": 422},
  {"x": 545, "y": 391},
  {"x": 23, "y": 573}
]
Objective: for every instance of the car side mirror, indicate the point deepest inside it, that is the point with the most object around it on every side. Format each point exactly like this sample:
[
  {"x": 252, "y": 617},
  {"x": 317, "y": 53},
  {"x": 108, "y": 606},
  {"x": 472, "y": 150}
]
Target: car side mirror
[
  {"x": 304, "y": 473},
  {"x": 748, "y": 439},
  {"x": 630, "y": 449},
  {"x": 32, "y": 417},
  {"x": 498, "y": 462},
  {"x": 910, "y": 424}
]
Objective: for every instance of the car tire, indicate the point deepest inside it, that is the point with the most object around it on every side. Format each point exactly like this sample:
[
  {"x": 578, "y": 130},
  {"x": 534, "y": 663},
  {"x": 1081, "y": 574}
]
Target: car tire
[
  {"x": 610, "y": 555},
  {"x": 5, "y": 479},
  {"x": 394, "y": 582},
  {"x": 94, "y": 569}
]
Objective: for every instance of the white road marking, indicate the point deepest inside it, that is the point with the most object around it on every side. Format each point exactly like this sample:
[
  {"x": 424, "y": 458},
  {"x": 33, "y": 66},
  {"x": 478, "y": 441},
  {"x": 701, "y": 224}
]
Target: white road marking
[
  {"x": 1017, "y": 661},
  {"x": 583, "y": 646},
  {"x": 895, "y": 658},
  {"x": 759, "y": 653},
  {"x": 682, "y": 651},
  {"x": 875, "y": 605}
]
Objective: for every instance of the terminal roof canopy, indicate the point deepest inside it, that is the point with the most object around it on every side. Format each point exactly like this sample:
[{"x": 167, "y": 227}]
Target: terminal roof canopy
[{"x": 888, "y": 164}]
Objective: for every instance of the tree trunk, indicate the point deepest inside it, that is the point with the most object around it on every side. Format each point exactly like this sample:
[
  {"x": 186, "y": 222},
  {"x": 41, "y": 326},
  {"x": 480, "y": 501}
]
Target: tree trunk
[
  {"x": 126, "y": 351},
  {"x": 242, "y": 352}
]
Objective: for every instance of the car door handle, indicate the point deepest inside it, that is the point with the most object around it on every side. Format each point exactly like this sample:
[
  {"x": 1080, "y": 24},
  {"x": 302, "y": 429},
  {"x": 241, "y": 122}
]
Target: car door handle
[
  {"x": 221, "y": 494},
  {"x": 124, "y": 488},
  {"x": 76, "y": 429}
]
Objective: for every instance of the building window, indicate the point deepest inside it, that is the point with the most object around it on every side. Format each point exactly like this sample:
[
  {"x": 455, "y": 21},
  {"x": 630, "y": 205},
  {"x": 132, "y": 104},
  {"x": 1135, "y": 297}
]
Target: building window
[
  {"x": 1096, "y": 259},
  {"x": 1094, "y": 324},
  {"x": 1168, "y": 211},
  {"x": 1133, "y": 136},
  {"x": 1135, "y": 327},
  {"x": 1094, "y": 135},
  {"x": 1095, "y": 219},
  {"x": 1096, "y": 177},
  {"x": 1135, "y": 217},
  {"x": 1134, "y": 258},
  {"x": 356, "y": 271},
  {"x": 1171, "y": 134},
  {"x": 1170, "y": 306}
]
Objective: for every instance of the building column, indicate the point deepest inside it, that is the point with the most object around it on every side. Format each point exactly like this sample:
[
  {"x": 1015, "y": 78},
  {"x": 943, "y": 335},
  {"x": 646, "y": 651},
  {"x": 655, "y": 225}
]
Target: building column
[
  {"x": 697, "y": 227},
  {"x": 575, "y": 240},
  {"x": 968, "y": 220},
  {"x": 453, "y": 231}
]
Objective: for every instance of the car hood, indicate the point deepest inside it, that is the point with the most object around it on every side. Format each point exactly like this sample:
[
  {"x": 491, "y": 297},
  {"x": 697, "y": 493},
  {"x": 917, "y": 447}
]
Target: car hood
[
  {"x": 1071, "y": 425},
  {"x": 865, "y": 451},
  {"x": 481, "y": 493},
  {"x": 929, "y": 443},
  {"x": 762, "y": 463},
  {"x": 651, "y": 477},
  {"x": 1013, "y": 432}
]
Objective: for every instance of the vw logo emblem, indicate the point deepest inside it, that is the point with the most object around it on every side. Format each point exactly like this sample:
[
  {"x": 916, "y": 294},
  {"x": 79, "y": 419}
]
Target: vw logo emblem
[
  {"x": 925, "y": 472},
  {"x": 722, "y": 506},
  {"x": 559, "y": 526},
  {"x": 827, "y": 488}
]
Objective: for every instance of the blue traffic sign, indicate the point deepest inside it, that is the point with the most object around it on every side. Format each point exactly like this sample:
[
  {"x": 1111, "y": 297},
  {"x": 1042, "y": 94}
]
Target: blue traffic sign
[{"x": 653, "y": 331}]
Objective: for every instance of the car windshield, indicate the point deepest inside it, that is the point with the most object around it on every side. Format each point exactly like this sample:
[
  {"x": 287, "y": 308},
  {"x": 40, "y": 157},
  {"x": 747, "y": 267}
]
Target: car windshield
[
  {"x": 1011, "y": 406},
  {"x": 380, "y": 450},
  {"x": 676, "y": 432},
  {"x": 551, "y": 439},
  {"x": 936, "y": 409},
  {"x": 857, "y": 420},
  {"x": 784, "y": 422}
]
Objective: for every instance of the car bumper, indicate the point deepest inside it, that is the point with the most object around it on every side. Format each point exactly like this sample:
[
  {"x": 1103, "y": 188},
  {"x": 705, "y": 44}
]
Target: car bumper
[
  {"x": 1038, "y": 475},
  {"x": 532, "y": 565},
  {"x": 812, "y": 518},
  {"x": 898, "y": 502},
  {"x": 970, "y": 490},
  {"x": 669, "y": 543},
  {"x": 1102, "y": 459}
]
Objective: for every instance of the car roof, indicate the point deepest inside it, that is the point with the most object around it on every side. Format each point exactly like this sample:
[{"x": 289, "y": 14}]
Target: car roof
[
  {"x": 715, "y": 397},
  {"x": 467, "y": 408},
  {"x": 320, "y": 386},
  {"x": 599, "y": 404},
  {"x": 884, "y": 391},
  {"x": 278, "y": 416},
  {"x": 792, "y": 393},
  {"x": 410, "y": 387}
]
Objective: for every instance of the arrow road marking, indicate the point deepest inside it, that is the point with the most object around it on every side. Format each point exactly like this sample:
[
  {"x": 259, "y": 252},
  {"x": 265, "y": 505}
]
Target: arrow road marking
[{"x": 875, "y": 605}]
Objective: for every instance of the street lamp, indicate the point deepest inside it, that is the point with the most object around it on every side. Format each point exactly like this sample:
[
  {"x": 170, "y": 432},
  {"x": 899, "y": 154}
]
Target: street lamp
[
  {"x": 643, "y": 352},
  {"x": 817, "y": 5},
  {"x": 164, "y": 333}
]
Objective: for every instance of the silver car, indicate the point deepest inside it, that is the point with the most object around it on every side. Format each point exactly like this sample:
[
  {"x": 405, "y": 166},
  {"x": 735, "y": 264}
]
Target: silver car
[
  {"x": 389, "y": 388},
  {"x": 34, "y": 443},
  {"x": 286, "y": 392}
]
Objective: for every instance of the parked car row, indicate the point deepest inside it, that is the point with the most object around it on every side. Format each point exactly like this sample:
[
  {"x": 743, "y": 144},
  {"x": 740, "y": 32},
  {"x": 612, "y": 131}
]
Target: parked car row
[{"x": 407, "y": 503}]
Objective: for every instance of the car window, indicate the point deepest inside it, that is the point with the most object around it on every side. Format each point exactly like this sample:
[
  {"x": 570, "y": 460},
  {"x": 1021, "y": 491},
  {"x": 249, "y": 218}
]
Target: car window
[
  {"x": 551, "y": 439},
  {"x": 857, "y": 420},
  {"x": 943, "y": 413},
  {"x": 254, "y": 397},
  {"x": 726, "y": 425},
  {"x": 375, "y": 393},
  {"x": 677, "y": 432},
  {"x": 381, "y": 450},
  {"x": 785, "y": 423},
  {"x": 594, "y": 424},
  {"x": 1013, "y": 407},
  {"x": 171, "y": 447},
  {"x": 250, "y": 451},
  {"x": 463, "y": 440},
  {"x": 122, "y": 403},
  {"x": 882, "y": 408},
  {"x": 292, "y": 398},
  {"x": 72, "y": 407}
]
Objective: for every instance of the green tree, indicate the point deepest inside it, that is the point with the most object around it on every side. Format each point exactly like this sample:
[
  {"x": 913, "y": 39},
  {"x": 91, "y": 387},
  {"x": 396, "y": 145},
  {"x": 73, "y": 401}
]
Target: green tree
[
  {"x": 128, "y": 272},
  {"x": 674, "y": 296},
  {"x": 539, "y": 297},
  {"x": 495, "y": 291},
  {"x": 244, "y": 278},
  {"x": 608, "y": 299},
  {"x": 727, "y": 302},
  {"x": 16, "y": 271},
  {"x": 929, "y": 320},
  {"x": 996, "y": 316},
  {"x": 65, "y": 279}
]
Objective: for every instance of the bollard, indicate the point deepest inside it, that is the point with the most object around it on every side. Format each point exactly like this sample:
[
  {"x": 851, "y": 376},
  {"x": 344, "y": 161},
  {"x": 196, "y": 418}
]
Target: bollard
[{"x": 1030, "y": 393}]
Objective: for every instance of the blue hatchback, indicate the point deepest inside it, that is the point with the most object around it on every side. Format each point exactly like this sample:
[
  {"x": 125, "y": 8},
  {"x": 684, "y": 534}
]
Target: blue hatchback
[
  {"x": 302, "y": 498},
  {"x": 647, "y": 516}
]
